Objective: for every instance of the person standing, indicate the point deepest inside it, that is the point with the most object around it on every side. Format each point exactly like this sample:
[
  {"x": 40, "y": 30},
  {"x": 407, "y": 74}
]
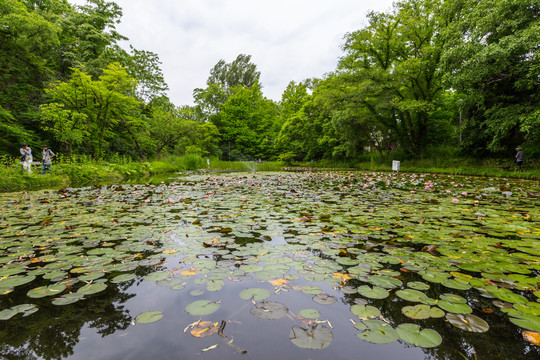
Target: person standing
[
  {"x": 520, "y": 156},
  {"x": 46, "y": 159},
  {"x": 26, "y": 158}
]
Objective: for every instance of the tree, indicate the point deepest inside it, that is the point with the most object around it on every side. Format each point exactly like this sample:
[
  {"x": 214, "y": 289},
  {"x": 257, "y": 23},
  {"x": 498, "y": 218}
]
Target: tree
[
  {"x": 246, "y": 124},
  {"x": 391, "y": 70},
  {"x": 224, "y": 77},
  {"x": 100, "y": 104},
  {"x": 492, "y": 58}
]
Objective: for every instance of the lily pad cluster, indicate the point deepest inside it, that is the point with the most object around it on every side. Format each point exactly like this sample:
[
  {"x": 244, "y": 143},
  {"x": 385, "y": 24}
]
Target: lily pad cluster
[{"x": 362, "y": 238}]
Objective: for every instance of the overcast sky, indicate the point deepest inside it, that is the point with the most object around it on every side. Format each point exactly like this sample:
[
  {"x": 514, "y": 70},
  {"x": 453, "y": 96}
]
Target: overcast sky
[{"x": 287, "y": 39}]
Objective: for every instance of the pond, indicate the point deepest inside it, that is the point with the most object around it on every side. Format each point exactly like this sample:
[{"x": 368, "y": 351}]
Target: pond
[{"x": 326, "y": 265}]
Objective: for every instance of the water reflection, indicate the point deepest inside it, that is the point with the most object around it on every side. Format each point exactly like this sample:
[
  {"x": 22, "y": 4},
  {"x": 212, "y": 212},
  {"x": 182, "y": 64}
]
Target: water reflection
[{"x": 288, "y": 234}]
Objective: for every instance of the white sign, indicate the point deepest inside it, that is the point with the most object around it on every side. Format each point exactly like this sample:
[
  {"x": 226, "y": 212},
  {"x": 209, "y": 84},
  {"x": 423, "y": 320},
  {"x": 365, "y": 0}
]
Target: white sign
[{"x": 395, "y": 165}]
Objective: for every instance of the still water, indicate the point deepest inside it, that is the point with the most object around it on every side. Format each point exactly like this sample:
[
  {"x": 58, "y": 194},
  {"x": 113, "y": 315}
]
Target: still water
[{"x": 336, "y": 265}]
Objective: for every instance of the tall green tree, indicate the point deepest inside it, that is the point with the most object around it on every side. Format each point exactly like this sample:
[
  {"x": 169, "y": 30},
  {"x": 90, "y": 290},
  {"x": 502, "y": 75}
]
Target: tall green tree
[
  {"x": 492, "y": 59},
  {"x": 391, "y": 70},
  {"x": 95, "y": 105},
  {"x": 246, "y": 124},
  {"x": 224, "y": 77}
]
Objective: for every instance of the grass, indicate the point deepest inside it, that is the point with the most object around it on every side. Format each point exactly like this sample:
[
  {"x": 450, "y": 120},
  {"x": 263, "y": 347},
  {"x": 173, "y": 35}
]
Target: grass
[{"x": 83, "y": 170}]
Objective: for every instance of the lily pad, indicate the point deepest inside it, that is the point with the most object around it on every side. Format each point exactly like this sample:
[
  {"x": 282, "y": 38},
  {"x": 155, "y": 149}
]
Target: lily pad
[
  {"x": 313, "y": 290},
  {"x": 373, "y": 293},
  {"x": 316, "y": 338},
  {"x": 310, "y": 314},
  {"x": 44, "y": 291},
  {"x": 7, "y": 314},
  {"x": 417, "y": 285},
  {"x": 468, "y": 322},
  {"x": 202, "y": 307},
  {"x": 92, "y": 288},
  {"x": 269, "y": 310},
  {"x": 456, "y": 308},
  {"x": 378, "y": 332},
  {"x": 324, "y": 299},
  {"x": 422, "y": 312},
  {"x": 257, "y": 294},
  {"x": 528, "y": 322},
  {"x": 149, "y": 317},
  {"x": 122, "y": 278},
  {"x": 365, "y": 311},
  {"x": 415, "y": 335}
]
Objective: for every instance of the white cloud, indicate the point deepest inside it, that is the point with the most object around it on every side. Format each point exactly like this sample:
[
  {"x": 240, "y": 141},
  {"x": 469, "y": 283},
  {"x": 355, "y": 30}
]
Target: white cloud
[{"x": 288, "y": 39}]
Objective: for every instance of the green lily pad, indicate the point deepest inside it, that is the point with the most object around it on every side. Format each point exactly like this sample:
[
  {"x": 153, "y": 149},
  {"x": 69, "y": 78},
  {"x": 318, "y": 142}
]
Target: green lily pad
[
  {"x": 149, "y": 317},
  {"x": 385, "y": 281},
  {"x": 68, "y": 299},
  {"x": 315, "y": 338},
  {"x": 413, "y": 334},
  {"x": 453, "y": 298},
  {"x": 44, "y": 291},
  {"x": 373, "y": 293},
  {"x": 378, "y": 332},
  {"x": 269, "y": 310},
  {"x": 468, "y": 322},
  {"x": 422, "y": 312},
  {"x": 17, "y": 280},
  {"x": 202, "y": 307},
  {"x": 92, "y": 288},
  {"x": 7, "y": 314},
  {"x": 365, "y": 311},
  {"x": 313, "y": 290},
  {"x": 415, "y": 296},
  {"x": 324, "y": 299},
  {"x": 122, "y": 278},
  {"x": 214, "y": 285},
  {"x": 456, "y": 308},
  {"x": 257, "y": 294},
  {"x": 417, "y": 285},
  {"x": 526, "y": 321},
  {"x": 310, "y": 314}
]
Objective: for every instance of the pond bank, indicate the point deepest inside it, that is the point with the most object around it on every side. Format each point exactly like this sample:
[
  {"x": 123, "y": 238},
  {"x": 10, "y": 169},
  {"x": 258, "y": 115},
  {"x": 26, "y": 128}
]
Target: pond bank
[{"x": 12, "y": 179}]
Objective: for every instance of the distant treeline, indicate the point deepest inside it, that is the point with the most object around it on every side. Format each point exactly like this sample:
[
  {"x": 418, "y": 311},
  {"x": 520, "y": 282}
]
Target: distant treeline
[{"x": 427, "y": 78}]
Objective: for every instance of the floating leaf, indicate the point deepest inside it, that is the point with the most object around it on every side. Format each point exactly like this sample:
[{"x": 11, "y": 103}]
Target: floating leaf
[
  {"x": 122, "y": 278},
  {"x": 92, "y": 288},
  {"x": 204, "y": 329},
  {"x": 365, "y": 311},
  {"x": 68, "y": 299},
  {"x": 313, "y": 290},
  {"x": 453, "y": 298},
  {"x": 468, "y": 322},
  {"x": 7, "y": 314},
  {"x": 149, "y": 317},
  {"x": 202, "y": 307},
  {"x": 269, "y": 310},
  {"x": 324, "y": 299},
  {"x": 373, "y": 293},
  {"x": 43, "y": 291},
  {"x": 257, "y": 294},
  {"x": 316, "y": 338},
  {"x": 417, "y": 285},
  {"x": 378, "y": 332},
  {"x": 457, "y": 308},
  {"x": 526, "y": 321},
  {"x": 414, "y": 335},
  {"x": 310, "y": 313},
  {"x": 417, "y": 311}
]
